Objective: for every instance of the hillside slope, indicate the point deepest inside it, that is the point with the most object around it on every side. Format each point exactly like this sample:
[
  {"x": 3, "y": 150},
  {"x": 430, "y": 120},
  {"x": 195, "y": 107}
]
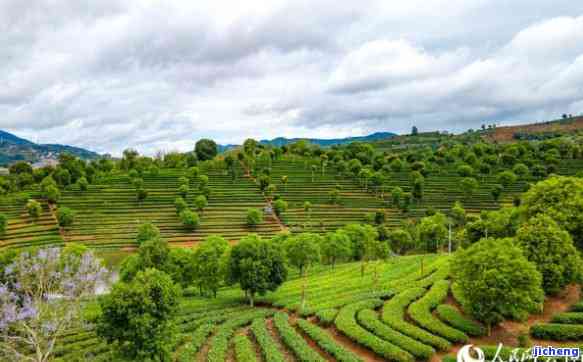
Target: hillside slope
[
  {"x": 14, "y": 148},
  {"x": 510, "y": 133}
]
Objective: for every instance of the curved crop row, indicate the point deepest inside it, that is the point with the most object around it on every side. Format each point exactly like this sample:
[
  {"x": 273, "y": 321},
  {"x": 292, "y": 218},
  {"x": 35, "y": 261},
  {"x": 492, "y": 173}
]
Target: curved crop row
[
  {"x": 394, "y": 315},
  {"x": 220, "y": 341},
  {"x": 557, "y": 332},
  {"x": 453, "y": 317},
  {"x": 568, "y": 318},
  {"x": 420, "y": 312},
  {"x": 293, "y": 340},
  {"x": 370, "y": 320},
  {"x": 244, "y": 351},
  {"x": 347, "y": 324},
  {"x": 268, "y": 346},
  {"x": 327, "y": 316},
  {"x": 327, "y": 343}
]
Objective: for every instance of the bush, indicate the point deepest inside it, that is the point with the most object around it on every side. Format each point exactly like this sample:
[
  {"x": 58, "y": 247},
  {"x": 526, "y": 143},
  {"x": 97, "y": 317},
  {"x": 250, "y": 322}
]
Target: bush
[
  {"x": 327, "y": 316},
  {"x": 557, "y": 332},
  {"x": 293, "y": 340},
  {"x": 394, "y": 315},
  {"x": 269, "y": 348},
  {"x": 568, "y": 318},
  {"x": 65, "y": 216},
  {"x": 244, "y": 350},
  {"x": 420, "y": 312},
  {"x": 279, "y": 207},
  {"x": 326, "y": 342},
  {"x": 180, "y": 205},
  {"x": 452, "y": 316},
  {"x": 34, "y": 209},
  {"x": 346, "y": 323},
  {"x": 254, "y": 217},
  {"x": 189, "y": 219},
  {"x": 370, "y": 320}
]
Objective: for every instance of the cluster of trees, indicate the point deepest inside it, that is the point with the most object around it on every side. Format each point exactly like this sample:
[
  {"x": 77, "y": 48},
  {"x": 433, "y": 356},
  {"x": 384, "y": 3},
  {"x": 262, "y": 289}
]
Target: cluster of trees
[{"x": 517, "y": 255}]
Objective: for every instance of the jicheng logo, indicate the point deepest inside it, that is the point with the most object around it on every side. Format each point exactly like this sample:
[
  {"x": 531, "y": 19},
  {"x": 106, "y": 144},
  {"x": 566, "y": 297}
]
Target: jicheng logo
[{"x": 536, "y": 354}]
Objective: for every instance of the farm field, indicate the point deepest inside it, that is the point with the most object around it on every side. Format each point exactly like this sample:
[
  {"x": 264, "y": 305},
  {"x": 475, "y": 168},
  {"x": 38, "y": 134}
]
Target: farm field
[
  {"x": 107, "y": 214},
  {"x": 410, "y": 316}
]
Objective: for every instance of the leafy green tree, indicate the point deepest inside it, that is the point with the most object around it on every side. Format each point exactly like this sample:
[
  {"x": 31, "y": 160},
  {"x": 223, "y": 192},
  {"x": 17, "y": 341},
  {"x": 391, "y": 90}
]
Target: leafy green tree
[
  {"x": 417, "y": 188},
  {"x": 469, "y": 185},
  {"x": 396, "y": 195},
  {"x": 200, "y": 202},
  {"x": 257, "y": 265},
  {"x": 206, "y": 149},
  {"x": 279, "y": 207},
  {"x": 360, "y": 235},
  {"x": 249, "y": 147},
  {"x": 189, "y": 219},
  {"x": 465, "y": 171},
  {"x": 183, "y": 190},
  {"x": 506, "y": 178},
  {"x": 181, "y": 266},
  {"x": 496, "y": 192},
  {"x": 254, "y": 217},
  {"x": 180, "y": 205},
  {"x": 34, "y": 209},
  {"x": 334, "y": 196},
  {"x": 83, "y": 184},
  {"x": 154, "y": 170},
  {"x": 137, "y": 317},
  {"x": 65, "y": 217},
  {"x": 520, "y": 170},
  {"x": 284, "y": 181},
  {"x": 210, "y": 264},
  {"x": 147, "y": 231},
  {"x": 497, "y": 281},
  {"x": 400, "y": 241},
  {"x": 52, "y": 194},
  {"x": 3, "y": 223},
  {"x": 458, "y": 214},
  {"x": 432, "y": 232},
  {"x": 20, "y": 167},
  {"x": 302, "y": 250},
  {"x": 203, "y": 181},
  {"x": 561, "y": 198},
  {"x": 335, "y": 246},
  {"x": 551, "y": 250}
]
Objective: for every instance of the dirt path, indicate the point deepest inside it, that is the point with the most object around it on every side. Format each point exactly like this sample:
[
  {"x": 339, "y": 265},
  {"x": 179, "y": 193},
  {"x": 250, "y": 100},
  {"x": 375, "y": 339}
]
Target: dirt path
[{"x": 313, "y": 345}]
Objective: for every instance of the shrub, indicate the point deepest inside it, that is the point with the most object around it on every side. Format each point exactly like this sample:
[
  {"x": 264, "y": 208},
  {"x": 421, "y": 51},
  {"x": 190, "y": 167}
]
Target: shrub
[
  {"x": 244, "y": 350},
  {"x": 65, "y": 216},
  {"x": 420, "y": 312},
  {"x": 557, "y": 332},
  {"x": 269, "y": 348},
  {"x": 254, "y": 217},
  {"x": 394, "y": 315},
  {"x": 452, "y": 316},
  {"x": 568, "y": 318},
  {"x": 370, "y": 320},
  {"x": 327, "y": 316},
  {"x": 326, "y": 342},
  {"x": 34, "y": 209},
  {"x": 180, "y": 205},
  {"x": 346, "y": 323},
  {"x": 189, "y": 219},
  {"x": 293, "y": 340}
]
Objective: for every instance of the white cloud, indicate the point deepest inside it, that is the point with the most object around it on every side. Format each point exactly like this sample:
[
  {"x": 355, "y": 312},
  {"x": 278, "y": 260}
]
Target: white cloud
[{"x": 113, "y": 74}]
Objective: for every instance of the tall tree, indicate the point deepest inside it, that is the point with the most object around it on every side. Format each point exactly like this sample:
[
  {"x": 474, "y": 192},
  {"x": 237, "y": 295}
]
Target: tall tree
[
  {"x": 205, "y": 149},
  {"x": 257, "y": 265},
  {"x": 210, "y": 264},
  {"x": 137, "y": 316}
]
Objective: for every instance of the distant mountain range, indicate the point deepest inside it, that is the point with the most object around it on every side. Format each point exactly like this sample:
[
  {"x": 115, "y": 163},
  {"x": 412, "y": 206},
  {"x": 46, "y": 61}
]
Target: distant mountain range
[
  {"x": 281, "y": 141},
  {"x": 14, "y": 148}
]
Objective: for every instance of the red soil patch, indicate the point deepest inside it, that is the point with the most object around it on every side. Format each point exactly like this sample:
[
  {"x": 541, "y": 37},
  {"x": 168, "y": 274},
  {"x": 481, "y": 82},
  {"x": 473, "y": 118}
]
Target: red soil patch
[{"x": 506, "y": 134}]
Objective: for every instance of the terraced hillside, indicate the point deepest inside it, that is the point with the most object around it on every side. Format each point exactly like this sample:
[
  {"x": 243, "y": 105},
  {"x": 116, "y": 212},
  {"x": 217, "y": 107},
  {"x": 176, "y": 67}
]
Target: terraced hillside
[
  {"x": 108, "y": 213},
  {"x": 408, "y": 316}
]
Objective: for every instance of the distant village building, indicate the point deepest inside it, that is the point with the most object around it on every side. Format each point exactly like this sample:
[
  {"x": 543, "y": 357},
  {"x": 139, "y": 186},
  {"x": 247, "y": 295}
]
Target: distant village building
[
  {"x": 46, "y": 162},
  {"x": 4, "y": 171}
]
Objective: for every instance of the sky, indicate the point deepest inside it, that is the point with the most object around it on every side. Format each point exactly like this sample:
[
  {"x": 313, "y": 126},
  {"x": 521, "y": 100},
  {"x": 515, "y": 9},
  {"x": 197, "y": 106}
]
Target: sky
[{"x": 158, "y": 75}]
